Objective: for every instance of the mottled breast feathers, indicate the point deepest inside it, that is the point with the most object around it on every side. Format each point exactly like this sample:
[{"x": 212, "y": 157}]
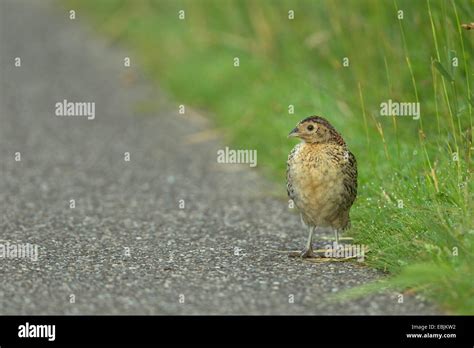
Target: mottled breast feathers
[{"x": 322, "y": 182}]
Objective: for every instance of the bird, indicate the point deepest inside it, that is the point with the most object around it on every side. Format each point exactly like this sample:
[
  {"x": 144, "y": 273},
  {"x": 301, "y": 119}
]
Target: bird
[{"x": 321, "y": 178}]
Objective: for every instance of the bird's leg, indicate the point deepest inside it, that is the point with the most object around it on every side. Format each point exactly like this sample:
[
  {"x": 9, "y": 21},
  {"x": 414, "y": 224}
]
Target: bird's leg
[
  {"x": 309, "y": 243},
  {"x": 336, "y": 234},
  {"x": 308, "y": 250}
]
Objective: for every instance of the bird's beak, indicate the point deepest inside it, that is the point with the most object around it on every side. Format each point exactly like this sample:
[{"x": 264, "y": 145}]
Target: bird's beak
[{"x": 293, "y": 133}]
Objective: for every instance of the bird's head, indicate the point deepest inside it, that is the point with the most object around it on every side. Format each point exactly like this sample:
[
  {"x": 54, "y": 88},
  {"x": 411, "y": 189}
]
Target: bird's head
[{"x": 316, "y": 130}]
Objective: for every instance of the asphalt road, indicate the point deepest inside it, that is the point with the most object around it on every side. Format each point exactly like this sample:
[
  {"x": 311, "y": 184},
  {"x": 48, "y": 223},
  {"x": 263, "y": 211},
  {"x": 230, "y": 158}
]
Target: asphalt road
[{"x": 128, "y": 247}]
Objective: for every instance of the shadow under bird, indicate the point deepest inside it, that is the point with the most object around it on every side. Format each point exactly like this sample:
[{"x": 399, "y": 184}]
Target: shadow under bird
[{"x": 321, "y": 179}]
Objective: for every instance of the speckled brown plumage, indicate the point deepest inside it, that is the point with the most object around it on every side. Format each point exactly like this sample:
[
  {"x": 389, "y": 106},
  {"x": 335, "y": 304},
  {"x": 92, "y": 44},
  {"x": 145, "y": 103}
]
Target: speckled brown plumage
[{"x": 321, "y": 177}]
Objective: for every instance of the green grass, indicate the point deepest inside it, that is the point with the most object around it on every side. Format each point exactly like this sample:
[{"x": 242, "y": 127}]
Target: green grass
[{"x": 299, "y": 62}]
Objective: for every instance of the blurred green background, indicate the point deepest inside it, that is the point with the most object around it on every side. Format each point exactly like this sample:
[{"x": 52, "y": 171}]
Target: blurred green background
[{"x": 415, "y": 203}]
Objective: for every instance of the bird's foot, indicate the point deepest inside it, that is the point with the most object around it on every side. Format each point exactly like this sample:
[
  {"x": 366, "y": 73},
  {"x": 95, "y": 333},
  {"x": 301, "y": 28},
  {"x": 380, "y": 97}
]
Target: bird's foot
[{"x": 305, "y": 254}]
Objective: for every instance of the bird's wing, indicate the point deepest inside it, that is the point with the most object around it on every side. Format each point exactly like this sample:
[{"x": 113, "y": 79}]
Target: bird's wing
[{"x": 349, "y": 170}]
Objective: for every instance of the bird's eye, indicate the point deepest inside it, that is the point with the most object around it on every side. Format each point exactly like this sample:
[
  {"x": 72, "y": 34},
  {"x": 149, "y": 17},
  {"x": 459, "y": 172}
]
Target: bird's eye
[{"x": 310, "y": 127}]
